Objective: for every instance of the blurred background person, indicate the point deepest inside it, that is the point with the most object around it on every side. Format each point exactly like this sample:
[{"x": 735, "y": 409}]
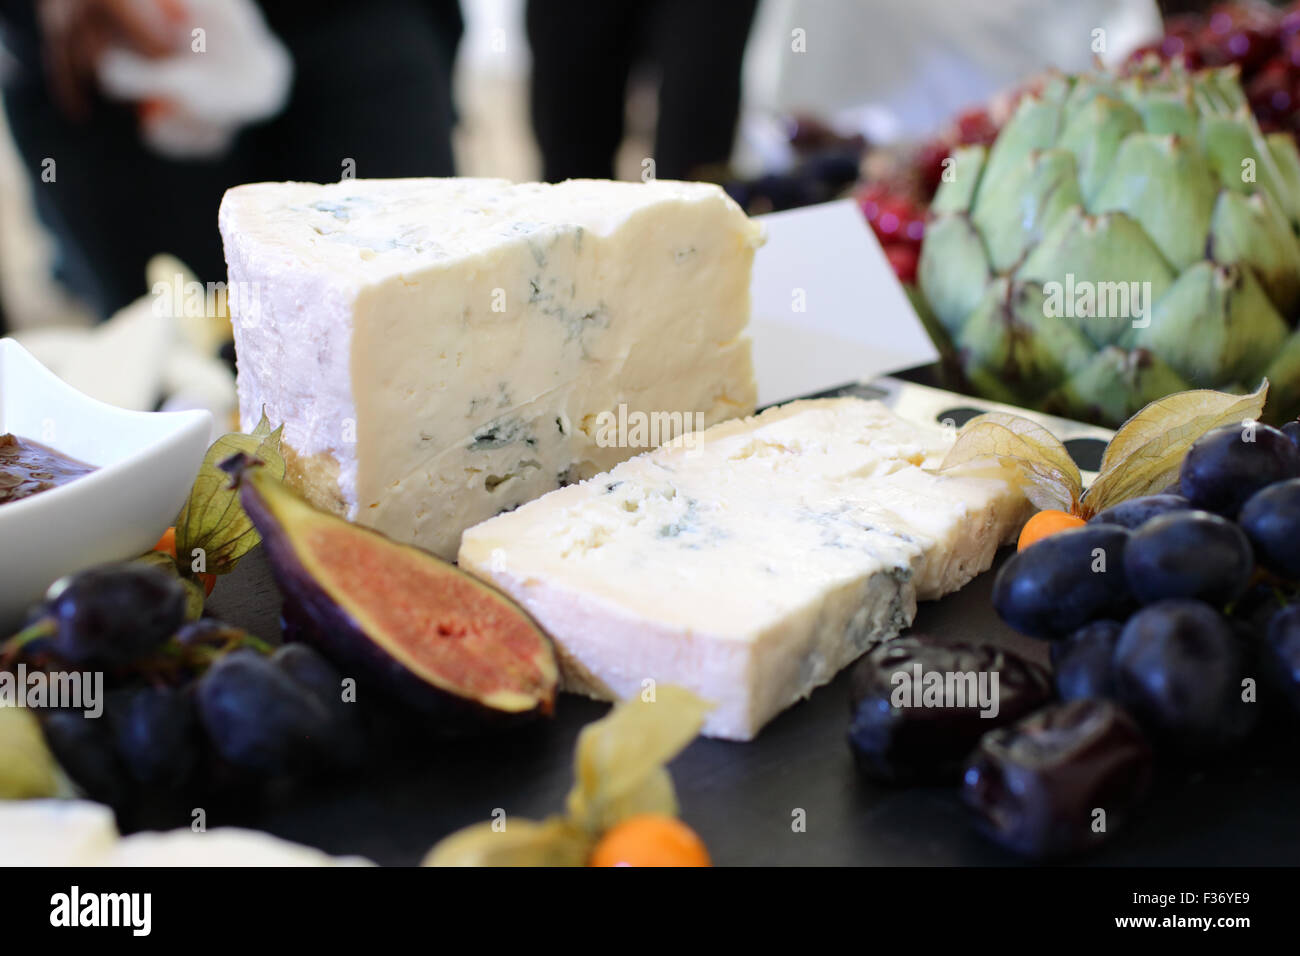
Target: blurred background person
[
  {"x": 584, "y": 53},
  {"x": 366, "y": 92},
  {"x": 900, "y": 69},
  {"x": 542, "y": 89}
]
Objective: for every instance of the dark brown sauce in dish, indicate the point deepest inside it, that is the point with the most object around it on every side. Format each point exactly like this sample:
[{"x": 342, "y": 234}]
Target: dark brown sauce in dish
[{"x": 27, "y": 468}]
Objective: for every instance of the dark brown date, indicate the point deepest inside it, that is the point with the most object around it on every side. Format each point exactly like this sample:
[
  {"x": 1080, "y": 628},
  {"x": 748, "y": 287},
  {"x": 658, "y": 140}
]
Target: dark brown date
[
  {"x": 919, "y": 707},
  {"x": 1060, "y": 781}
]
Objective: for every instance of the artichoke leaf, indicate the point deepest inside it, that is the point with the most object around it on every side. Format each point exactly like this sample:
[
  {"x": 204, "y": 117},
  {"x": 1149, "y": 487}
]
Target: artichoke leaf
[
  {"x": 1052, "y": 479},
  {"x": 1094, "y": 135},
  {"x": 619, "y": 763},
  {"x": 1106, "y": 254},
  {"x": 1167, "y": 187},
  {"x": 1146, "y": 454},
  {"x": 953, "y": 272},
  {"x": 1014, "y": 212},
  {"x": 1034, "y": 125},
  {"x": 552, "y": 842},
  {"x": 1234, "y": 145},
  {"x": 1286, "y": 159},
  {"x": 212, "y": 519},
  {"x": 1284, "y": 373},
  {"x": 961, "y": 178},
  {"x": 1219, "y": 89},
  {"x": 1015, "y": 347},
  {"x": 1252, "y": 230},
  {"x": 1215, "y": 325},
  {"x": 1114, "y": 386}
]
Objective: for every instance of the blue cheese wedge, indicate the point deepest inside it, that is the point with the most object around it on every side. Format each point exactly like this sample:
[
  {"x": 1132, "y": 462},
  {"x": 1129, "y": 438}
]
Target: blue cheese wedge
[
  {"x": 442, "y": 350},
  {"x": 751, "y": 562}
]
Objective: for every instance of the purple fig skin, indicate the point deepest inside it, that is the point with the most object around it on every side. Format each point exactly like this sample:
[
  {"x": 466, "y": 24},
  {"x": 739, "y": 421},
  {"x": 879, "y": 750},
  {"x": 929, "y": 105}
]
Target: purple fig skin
[{"x": 311, "y": 615}]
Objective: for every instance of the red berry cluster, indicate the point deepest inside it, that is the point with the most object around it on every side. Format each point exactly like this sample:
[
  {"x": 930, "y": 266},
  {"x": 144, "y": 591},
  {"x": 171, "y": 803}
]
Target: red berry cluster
[
  {"x": 1262, "y": 40},
  {"x": 895, "y": 205}
]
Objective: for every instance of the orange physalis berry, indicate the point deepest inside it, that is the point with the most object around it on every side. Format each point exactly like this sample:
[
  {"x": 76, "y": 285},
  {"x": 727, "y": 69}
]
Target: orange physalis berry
[
  {"x": 167, "y": 545},
  {"x": 650, "y": 839},
  {"x": 1047, "y": 523}
]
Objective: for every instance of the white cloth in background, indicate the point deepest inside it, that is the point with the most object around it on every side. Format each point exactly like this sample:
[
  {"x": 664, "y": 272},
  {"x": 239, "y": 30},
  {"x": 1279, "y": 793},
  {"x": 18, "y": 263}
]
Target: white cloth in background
[
  {"x": 228, "y": 70},
  {"x": 899, "y": 69}
]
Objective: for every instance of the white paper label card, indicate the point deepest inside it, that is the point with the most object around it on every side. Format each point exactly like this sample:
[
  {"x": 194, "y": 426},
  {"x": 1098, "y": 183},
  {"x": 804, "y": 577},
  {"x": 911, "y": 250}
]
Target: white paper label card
[{"x": 827, "y": 307}]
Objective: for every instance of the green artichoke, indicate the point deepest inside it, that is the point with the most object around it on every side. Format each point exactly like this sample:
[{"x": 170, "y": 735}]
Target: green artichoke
[{"x": 1124, "y": 237}]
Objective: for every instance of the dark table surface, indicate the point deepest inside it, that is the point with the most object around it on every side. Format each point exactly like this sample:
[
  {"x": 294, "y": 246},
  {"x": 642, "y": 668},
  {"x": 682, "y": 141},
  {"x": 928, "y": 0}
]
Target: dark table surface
[{"x": 743, "y": 797}]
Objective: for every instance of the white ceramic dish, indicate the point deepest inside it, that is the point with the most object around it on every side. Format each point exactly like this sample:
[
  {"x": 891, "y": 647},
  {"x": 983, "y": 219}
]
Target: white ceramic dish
[{"x": 145, "y": 461}]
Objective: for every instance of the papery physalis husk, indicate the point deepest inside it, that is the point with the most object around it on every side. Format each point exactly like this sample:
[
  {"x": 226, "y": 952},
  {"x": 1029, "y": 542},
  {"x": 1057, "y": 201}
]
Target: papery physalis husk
[
  {"x": 194, "y": 596},
  {"x": 27, "y": 768},
  {"x": 212, "y": 518},
  {"x": 619, "y": 772},
  {"x": 1051, "y": 478},
  {"x": 620, "y": 759},
  {"x": 553, "y": 842},
  {"x": 1143, "y": 457},
  {"x": 1147, "y": 452}
]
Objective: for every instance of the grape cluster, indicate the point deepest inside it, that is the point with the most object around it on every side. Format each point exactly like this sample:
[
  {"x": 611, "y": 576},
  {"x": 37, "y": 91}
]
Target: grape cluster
[
  {"x": 1174, "y": 622},
  {"x": 188, "y": 703},
  {"x": 1168, "y": 603},
  {"x": 1179, "y": 610}
]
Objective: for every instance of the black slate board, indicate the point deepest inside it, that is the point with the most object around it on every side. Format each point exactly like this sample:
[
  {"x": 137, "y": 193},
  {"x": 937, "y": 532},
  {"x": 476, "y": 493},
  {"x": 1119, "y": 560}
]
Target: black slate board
[{"x": 742, "y": 798}]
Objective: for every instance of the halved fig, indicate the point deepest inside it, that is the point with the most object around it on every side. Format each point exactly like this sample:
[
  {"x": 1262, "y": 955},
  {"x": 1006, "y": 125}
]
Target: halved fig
[{"x": 399, "y": 619}]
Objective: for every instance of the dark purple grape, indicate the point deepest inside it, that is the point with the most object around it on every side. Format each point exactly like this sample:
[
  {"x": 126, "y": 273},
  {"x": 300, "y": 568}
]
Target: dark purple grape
[
  {"x": 156, "y": 735},
  {"x": 831, "y": 170},
  {"x": 209, "y": 632},
  {"x": 1179, "y": 669},
  {"x": 1229, "y": 464},
  {"x": 259, "y": 718},
  {"x": 1256, "y": 608},
  {"x": 781, "y": 191},
  {"x": 115, "y": 613},
  {"x": 1189, "y": 554},
  {"x": 1083, "y": 663},
  {"x": 1138, "y": 511},
  {"x": 312, "y": 671},
  {"x": 1292, "y": 431},
  {"x": 1271, "y": 519},
  {"x": 1060, "y": 781},
  {"x": 1054, "y": 587},
  {"x": 907, "y": 728},
  {"x": 306, "y": 665},
  {"x": 1282, "y": 651},
  {"x": 84, "y": 748},
  {"x": 1253, "y": 610},
  {"x": 740, "y": 192}
]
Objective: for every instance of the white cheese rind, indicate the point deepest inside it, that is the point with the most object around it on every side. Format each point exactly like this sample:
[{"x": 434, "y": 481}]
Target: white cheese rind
[
  {"x": 440, "y": 350},
  {"x": 750, "y": 563},
  {"x": 80, "y": 833},
  {"x": 55, "y": 832}
]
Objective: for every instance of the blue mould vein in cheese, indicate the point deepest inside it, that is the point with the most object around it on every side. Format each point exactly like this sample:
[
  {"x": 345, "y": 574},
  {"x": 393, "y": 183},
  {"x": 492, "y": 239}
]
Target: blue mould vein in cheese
[
  {"x": 441, "y": 350},
  {"x": 750, "y": 562}
]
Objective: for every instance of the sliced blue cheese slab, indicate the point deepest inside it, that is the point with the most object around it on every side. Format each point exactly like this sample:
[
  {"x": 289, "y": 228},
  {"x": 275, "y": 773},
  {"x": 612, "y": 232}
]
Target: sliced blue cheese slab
[
  {"x": 751, "y": 562},
  {"x": 442, "y": 350}
]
